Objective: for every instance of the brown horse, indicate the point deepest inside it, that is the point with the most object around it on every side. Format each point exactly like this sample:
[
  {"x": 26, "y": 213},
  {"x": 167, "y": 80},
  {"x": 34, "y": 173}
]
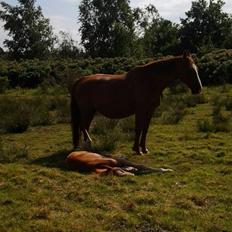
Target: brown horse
[{"x": 136, "y": 92}]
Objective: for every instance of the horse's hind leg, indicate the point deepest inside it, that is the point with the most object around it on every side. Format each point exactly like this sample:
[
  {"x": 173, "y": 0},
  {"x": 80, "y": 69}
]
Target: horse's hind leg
[
  {"x": 87, "y": 117},
  {"x": 75, "y": 123}
]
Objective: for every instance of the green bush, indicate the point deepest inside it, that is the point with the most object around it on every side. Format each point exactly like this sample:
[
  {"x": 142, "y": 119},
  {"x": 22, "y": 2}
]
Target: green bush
[
  {"x": 40, "y": 111},
  {"x": 12, "y": 153},
  {"x": 220, "y": 121},
  {"x": 14, "y": 115},
  {"x": 204, "y": 125},
  {"x": 108, "y": 134},
  {"x": 216, "y": 67},
  {"x": 4, "y": 84},
  {"x": 173, "y": 114}
]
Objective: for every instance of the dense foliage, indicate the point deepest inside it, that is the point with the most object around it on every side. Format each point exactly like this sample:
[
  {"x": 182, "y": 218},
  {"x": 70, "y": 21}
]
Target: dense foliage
[
  {"x": 206, "y": 26},
  {"x": 106, "y": 28},
  {"x": 30, "y": 32},
  {"x": 115, "y": 29},
  {"x": 215, "y": 68}
]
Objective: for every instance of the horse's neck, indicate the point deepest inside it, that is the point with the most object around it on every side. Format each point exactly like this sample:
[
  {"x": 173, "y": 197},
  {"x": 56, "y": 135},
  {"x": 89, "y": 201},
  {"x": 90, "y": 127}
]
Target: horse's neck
[{"x": 162, "y": 74}]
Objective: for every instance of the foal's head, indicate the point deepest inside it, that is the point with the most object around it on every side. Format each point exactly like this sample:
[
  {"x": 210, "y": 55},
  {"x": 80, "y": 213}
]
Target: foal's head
[{"x": 188, "y": 73}]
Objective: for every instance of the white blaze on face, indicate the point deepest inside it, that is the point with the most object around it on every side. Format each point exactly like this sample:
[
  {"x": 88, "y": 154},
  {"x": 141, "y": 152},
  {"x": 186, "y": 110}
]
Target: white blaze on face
[{"x": 198, "y": 78}]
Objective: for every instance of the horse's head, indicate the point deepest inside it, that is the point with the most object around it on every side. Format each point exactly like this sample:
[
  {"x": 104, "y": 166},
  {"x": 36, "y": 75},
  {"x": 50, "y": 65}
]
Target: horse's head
[{"x": 189, "y": 73}]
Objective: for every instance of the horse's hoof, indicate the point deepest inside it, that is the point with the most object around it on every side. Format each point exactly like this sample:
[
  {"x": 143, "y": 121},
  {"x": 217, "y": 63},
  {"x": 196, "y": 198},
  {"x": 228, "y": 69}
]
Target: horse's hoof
[
  {"x": 139, "y": 153},
  {"x": 145, "y": 150}
]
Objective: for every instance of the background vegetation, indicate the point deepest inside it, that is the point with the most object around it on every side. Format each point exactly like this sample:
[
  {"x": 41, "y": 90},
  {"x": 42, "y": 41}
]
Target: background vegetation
[
  {"x": 115, "y": 29},
  {"x": 190, "y": 134}
]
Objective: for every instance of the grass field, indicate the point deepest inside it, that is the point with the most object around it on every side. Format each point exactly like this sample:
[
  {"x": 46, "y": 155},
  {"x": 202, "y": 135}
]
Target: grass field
[{"x": 38, "y": 193}]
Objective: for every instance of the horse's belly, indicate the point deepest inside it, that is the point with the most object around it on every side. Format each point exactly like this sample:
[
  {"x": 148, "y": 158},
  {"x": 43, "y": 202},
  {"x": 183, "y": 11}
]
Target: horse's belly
[{"x": 115, "y": 112}]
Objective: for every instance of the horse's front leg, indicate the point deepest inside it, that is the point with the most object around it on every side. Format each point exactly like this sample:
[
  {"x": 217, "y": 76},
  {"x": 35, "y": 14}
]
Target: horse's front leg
[
  {"x": 138, "y": 131},
  {"x": 144, "y": 135},
  {"x": 147, "y": 120}
]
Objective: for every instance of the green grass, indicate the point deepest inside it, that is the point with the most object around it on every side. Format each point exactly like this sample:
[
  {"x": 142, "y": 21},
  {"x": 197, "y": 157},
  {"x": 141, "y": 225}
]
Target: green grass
[{"x": 39, "y": 194}]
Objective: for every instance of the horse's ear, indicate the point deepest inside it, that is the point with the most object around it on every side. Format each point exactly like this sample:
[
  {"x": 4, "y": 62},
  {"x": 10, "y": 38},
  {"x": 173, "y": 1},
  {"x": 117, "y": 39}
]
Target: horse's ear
[{"x": 186, "y": 54}]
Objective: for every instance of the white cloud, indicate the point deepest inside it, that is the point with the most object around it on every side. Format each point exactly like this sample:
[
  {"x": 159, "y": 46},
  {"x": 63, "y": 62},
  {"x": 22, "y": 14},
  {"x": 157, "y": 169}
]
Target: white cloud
[{"x": 173, "y": 9}]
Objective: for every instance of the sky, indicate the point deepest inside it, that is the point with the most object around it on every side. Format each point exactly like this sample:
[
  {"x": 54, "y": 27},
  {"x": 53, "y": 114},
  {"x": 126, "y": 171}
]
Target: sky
[{"x": 63, "y": 14}]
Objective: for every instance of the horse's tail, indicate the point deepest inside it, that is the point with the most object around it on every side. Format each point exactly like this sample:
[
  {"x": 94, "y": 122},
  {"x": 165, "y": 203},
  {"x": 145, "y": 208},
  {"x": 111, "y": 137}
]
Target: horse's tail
[{"x": 75, "y": 118}]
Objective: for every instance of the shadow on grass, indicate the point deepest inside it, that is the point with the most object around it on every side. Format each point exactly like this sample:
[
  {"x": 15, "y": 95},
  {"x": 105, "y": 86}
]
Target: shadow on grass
[{"x": 55, "y": 160}]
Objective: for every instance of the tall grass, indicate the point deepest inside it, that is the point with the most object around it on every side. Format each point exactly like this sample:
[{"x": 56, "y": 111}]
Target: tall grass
[
  {"x": 14, "y": 115},
  {"x": 18, "y": 113},
  {"x": 174, "y": 104},
  {"x": 12, "y": 153},
  {"x": 220, "y": 119}
]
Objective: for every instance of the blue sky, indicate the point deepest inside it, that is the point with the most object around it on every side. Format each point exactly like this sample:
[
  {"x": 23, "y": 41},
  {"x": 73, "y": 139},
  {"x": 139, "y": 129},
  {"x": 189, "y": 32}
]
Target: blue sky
[{"x": 63, "y": 14}]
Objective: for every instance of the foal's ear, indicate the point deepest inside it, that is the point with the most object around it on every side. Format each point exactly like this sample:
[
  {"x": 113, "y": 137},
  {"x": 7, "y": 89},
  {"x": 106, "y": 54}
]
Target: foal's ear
[{"x": 186, "y": 54}]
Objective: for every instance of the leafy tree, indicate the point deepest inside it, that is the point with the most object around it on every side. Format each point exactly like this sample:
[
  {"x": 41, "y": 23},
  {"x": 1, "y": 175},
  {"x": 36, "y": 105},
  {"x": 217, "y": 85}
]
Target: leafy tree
[
  {"x": 1, "y": 52},
  {"x": 161, "y": 38},
  {"x": 144, "y": 18},
  {"x": 157, "y": 35},
  {"x": 206, "y": 26},
  {"x": 66, "y": 46},
  {"x": 29, "y": 31},
  {"x": 107, "y": 28}
]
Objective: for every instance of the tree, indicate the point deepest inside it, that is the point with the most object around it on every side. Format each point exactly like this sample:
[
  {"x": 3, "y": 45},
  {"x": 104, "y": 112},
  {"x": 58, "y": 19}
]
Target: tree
[
  {"x": 157, "y": 35},
  {"x": 66, "y": 46},
  {"x": 206, "y": 25},
  {"x": 29, "y": 31},
  {"x": 161, "y": 38},
  {"x": 1, "y": 52},
  {"x": 107, "y": 28},
  {"x": 144, "y": 18}
]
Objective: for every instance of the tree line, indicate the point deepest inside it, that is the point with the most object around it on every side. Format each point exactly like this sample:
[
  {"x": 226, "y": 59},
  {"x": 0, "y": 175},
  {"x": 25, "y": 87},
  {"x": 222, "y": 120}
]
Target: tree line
[{"x": 115, "y": 29}]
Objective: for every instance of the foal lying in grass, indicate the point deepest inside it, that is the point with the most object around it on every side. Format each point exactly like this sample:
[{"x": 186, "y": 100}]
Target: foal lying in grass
[{"x": 84, "y": 161}]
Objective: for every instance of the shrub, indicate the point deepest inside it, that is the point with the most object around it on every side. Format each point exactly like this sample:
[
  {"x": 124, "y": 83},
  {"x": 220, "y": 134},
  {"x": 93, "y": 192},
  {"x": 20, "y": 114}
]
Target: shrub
[
  {"x": 14, "y": 115},
  {"x": 108, "y": 134},
  {"x": 40, "y": 114},
  {"x": 173, "y": 114},
  {"x": 127, "y": 126},
  {"x": 220, "y": 119},
  {"x": 4, "y": 84},
  {"x": 61, "y": 105},
  {"x": 172, "y": 108},
  {"x": 204, "y": 125},
  {"x": 12, "y": 153},
  {"x": 193, "y": 100},
  {"x": 216, "y": 67},
  {"x": 228, "y": 103}
]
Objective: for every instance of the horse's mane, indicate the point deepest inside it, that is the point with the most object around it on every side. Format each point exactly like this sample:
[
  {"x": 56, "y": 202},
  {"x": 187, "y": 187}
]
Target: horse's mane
[{"x": 157, "y": 64}]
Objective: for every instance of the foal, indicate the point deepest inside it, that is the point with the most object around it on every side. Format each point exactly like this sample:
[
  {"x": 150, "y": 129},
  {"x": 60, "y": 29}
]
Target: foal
[{"x": 84, "y": 161}]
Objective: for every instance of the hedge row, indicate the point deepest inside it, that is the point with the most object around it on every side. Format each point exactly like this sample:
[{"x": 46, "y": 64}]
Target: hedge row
[{"x": 215, "y": 68}]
